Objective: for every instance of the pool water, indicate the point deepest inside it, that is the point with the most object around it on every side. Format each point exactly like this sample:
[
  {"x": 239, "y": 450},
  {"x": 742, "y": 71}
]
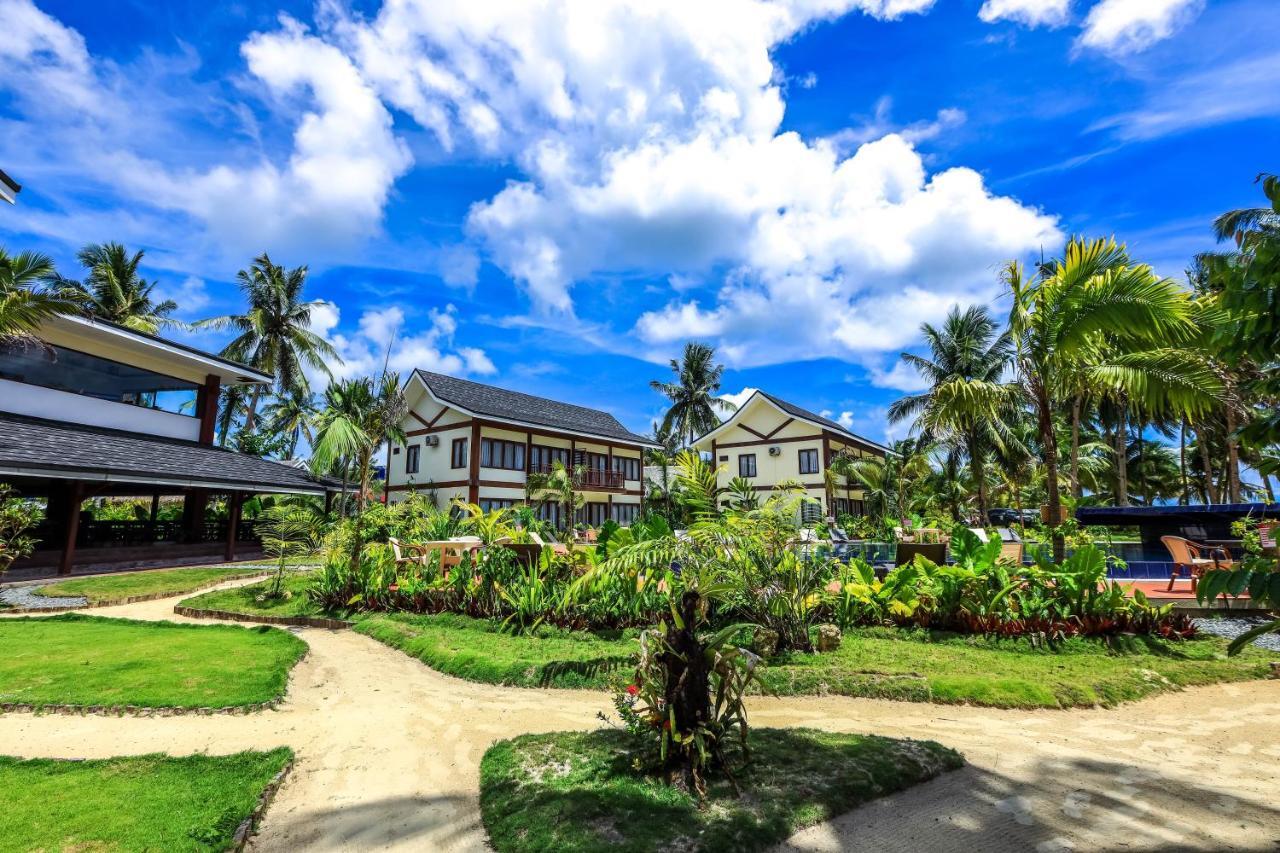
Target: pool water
[{"x": 1140, "y": 563}]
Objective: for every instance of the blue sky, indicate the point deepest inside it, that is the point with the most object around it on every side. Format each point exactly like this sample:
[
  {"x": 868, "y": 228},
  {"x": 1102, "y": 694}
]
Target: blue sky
[{"x": 554, "y": 200}]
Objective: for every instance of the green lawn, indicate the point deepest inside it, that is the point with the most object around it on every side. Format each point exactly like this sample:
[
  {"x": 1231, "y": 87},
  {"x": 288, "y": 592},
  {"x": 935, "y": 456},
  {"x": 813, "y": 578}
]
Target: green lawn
[
  {"x": 146, "y": 802},
  {"x": 160, "y": 582},
  {"x": 919, "y": 666},
  {"x": 88, "y": 661},
  {"x": 245, "y": 599},
  {"x": 577, "y": 792}
]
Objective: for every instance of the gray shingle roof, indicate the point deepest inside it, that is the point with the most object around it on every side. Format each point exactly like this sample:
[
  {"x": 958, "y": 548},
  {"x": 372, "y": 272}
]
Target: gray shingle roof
[
  {"x": 41, "y": 445},
  {"x": 501, "y": 404},
  {"x": 797, "y": 412}
]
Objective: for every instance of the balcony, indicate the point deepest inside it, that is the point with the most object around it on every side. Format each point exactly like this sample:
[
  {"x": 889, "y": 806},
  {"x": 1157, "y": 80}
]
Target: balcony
[{"x": 590, "y": 479}]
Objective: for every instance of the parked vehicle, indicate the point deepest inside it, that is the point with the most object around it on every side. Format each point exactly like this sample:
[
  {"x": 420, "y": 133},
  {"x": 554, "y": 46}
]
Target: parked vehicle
[{"x": 1006, "y": 517}]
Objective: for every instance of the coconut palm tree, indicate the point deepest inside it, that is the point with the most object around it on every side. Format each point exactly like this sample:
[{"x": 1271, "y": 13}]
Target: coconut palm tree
[
  {"x": 274, "y": 334},
  {"x": 663, "y": 457},
  {"x": 292, "y": 415},
  {"x": 559, "y": 486},
  {"x": 359, "y": 415},
  {"x": 1056, "y": 319},
  {"x": 24, "y": 305},
  {"x": 113, "y": 290},
  {"x": 968, "y": 396},
  {"x": 891, "y": 484},
  {"x": 693, "y": 395}
]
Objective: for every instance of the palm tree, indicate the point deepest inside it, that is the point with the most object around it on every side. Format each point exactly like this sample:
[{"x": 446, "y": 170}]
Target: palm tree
[
  {"x": 663, "y": 457},
  {"x": 23, "y": 305},
  {"x": 968, "y": 395},
  {"x": 890, "y": 484},
  {"x": 274, "y": 333},
  {"x": 1057, "y": 318},
  {"x": 292, "y": 415},
  {"x": 559, "y": 486},
  {"x": 693, "y": 394},
  {"x": 113, "y": 290},
  {"x": 359, "y": 415}
]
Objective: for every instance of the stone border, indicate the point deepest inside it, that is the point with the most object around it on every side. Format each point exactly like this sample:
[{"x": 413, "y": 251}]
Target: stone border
[
  {"x": 247, "y": 826},
  {"x": 265, "y": 619},
  {"x": 136, "y": 710},
  {"x": 133, "y": 599}
]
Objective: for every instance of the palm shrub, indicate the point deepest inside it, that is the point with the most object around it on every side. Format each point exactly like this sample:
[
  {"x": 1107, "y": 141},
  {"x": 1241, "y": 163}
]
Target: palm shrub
[
  {"x": 17, "y": 517},
  {"x": 286, "y": 531}
]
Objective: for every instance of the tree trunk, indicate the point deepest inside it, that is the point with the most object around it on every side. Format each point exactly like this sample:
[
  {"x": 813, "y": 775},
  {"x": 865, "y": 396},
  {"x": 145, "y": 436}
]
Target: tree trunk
[
  {"x": 1271, "y": 493},
  {"x": 252, "y": 414},
  {"x": 1050, "y": 442},
  {"x": 687, "y": 691},
  {"x": 980, "y": 480},
  {"x": 1182, "y": 463},
  {"x": 1211, "y": 491},
  {"x": 1122, "y": 457},
  {"x": 1076, "y": 489},
  {"x": 346, "y": 471},
  {"x": 1233, "y": 458}
]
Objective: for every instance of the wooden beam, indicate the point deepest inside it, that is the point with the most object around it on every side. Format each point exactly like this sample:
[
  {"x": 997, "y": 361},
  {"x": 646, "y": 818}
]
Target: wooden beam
[
  {"x": 473, "y": 478},
  {"x": 73, "y": 527},
  {"x": 233, "y": 525},
  {"x": 780, "y": 427},
  {"x": 207, "y": 407},
  {"x": 432, "y": 429}
]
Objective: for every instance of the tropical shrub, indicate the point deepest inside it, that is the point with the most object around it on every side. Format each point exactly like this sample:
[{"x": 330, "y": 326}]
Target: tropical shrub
[{"x": 17, "y": 516}]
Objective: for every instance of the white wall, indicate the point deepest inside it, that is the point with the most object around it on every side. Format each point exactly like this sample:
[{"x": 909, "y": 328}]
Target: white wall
[{"x": 23, "y": 399}]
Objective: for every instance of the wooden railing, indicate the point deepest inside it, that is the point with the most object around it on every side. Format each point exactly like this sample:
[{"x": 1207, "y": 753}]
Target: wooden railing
[{"x": 592, "y": 479}]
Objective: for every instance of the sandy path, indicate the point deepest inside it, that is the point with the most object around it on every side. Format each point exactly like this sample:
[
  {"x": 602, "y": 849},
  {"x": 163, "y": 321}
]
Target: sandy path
[{"x": 388, "y": 754}]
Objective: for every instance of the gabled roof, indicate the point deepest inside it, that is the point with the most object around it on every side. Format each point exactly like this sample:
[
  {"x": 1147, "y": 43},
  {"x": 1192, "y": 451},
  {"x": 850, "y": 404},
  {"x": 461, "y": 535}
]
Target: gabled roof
[
  {"x": 35, "y": 447},
  {"x": 800, "y": 414},
  {"x": 499, "y": 404}
]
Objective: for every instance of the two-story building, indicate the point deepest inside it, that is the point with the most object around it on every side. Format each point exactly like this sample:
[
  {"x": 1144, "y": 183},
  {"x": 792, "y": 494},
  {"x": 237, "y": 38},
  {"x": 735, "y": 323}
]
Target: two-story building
[
  {"x": 480, "y": 443},
  {"x": 771, "y": 442},
  {"x": 92, "y": 409}
]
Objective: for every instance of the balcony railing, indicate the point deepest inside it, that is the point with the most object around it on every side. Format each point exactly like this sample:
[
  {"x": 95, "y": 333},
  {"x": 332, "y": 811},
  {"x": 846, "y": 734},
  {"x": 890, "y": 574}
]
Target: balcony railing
[{"x": 590, "y": 479}]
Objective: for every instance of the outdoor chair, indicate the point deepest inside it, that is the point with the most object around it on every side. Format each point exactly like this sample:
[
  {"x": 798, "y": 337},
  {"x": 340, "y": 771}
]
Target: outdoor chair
[
  {"x": 406, "y": 554},
  {"x": 1194, "y": 558}
]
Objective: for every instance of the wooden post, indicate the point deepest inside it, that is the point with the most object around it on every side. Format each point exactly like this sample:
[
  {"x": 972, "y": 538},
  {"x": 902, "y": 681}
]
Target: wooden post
[
  {"x": 73, "y": 527},
  {"x": 328, "y": 502},
  {"x": 233, "y": 525},
  {"x": 207, "y": 407},
  {"x": 473, "y": 483}
]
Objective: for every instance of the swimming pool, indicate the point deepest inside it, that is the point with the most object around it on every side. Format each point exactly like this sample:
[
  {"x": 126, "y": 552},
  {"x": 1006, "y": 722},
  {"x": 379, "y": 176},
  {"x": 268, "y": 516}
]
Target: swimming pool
[{"x": 1139, "y": 563}]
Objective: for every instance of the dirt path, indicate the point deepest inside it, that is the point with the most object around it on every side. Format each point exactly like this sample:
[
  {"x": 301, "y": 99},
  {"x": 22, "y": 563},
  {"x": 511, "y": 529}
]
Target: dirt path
[{"x": 388, "y": 754}]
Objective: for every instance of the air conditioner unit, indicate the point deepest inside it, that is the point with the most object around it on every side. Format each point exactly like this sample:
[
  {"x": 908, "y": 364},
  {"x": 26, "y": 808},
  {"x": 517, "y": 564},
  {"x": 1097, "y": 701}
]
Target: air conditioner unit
[
  {"x": 432, "y": 441},
  {"x": 775, "y": 451}
]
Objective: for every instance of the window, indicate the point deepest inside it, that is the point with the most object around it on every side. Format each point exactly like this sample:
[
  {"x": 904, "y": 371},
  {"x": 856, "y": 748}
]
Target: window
[
  {"x": 626, "y": 514},
  {"x": 808, "y": 461},
  {"x": 411, "y": 459},
  {"x": 489, "y": 504},
  {"x": 459, "y": 453},
  {"x": 543, "y": 458},
  {"x": 499, "y": 453},
  {"x": 596, "y": 461},
  {"x": 550, "y": 512},
  {"x": 80, "y": 373},
  {"x": 746, "y": 465},
  {"x": 594, "y": 513},
  {"x": 628, "y": 467}
]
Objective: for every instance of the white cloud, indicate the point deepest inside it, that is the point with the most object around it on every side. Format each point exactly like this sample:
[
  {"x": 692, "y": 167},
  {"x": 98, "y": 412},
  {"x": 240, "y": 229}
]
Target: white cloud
[
  {"x": 1121, "y": 27},
  {"x": 739, "y": 398},
  {"x": 1031, "y": 13},
  {"x": 881, "y": 124},
  {"x": 1223, "y": 93},
  {"x": 381, "y": 338},
  {"x": 192, "y": 297},
  {"x": 900, "y": 377}
]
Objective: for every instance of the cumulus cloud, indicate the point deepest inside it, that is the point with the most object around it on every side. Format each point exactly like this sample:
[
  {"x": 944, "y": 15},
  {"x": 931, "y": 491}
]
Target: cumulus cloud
[
  {"x": 380, "y": 338},
  {"x": 1120, "y": 27},
  {"x": 900, "y": 377},
  {"x": 739, "y": 398},
  {"x": 1031, "y": 13}
]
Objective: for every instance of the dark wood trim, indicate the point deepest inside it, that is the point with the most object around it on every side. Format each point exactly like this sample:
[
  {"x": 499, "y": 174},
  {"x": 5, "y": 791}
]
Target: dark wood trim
[
  {"x": 825, "y": 462},
  {"x": 430, "y": 423},
  {"x": 73, "y": 527},
  {"x": 419, "y": 418},
  {"x": 728, "y": 444},
  {"x": 426, "y": 487},
  {"x": 207, "y": 407},
  {"x": 780, "y": 427},
  {"x": 746, "y": 428},
  {"x": 431, "y": 429},
  {"x": 803, "y": 485},
  {"x": 848, "y": 441},
  {"x": 473, "y": 471},
  {"x": 233, "y": 525},
  {"x": 563, "y": 436}
]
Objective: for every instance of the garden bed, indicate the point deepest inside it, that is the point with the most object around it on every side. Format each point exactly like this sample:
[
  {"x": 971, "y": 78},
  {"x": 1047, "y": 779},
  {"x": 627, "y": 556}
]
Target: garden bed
[
  {"x": 886, "y": 663},
  {"x": 148, "y": 802},
  {"x": 578, "y": 792},
  {"x": 87, "y": 662}
]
